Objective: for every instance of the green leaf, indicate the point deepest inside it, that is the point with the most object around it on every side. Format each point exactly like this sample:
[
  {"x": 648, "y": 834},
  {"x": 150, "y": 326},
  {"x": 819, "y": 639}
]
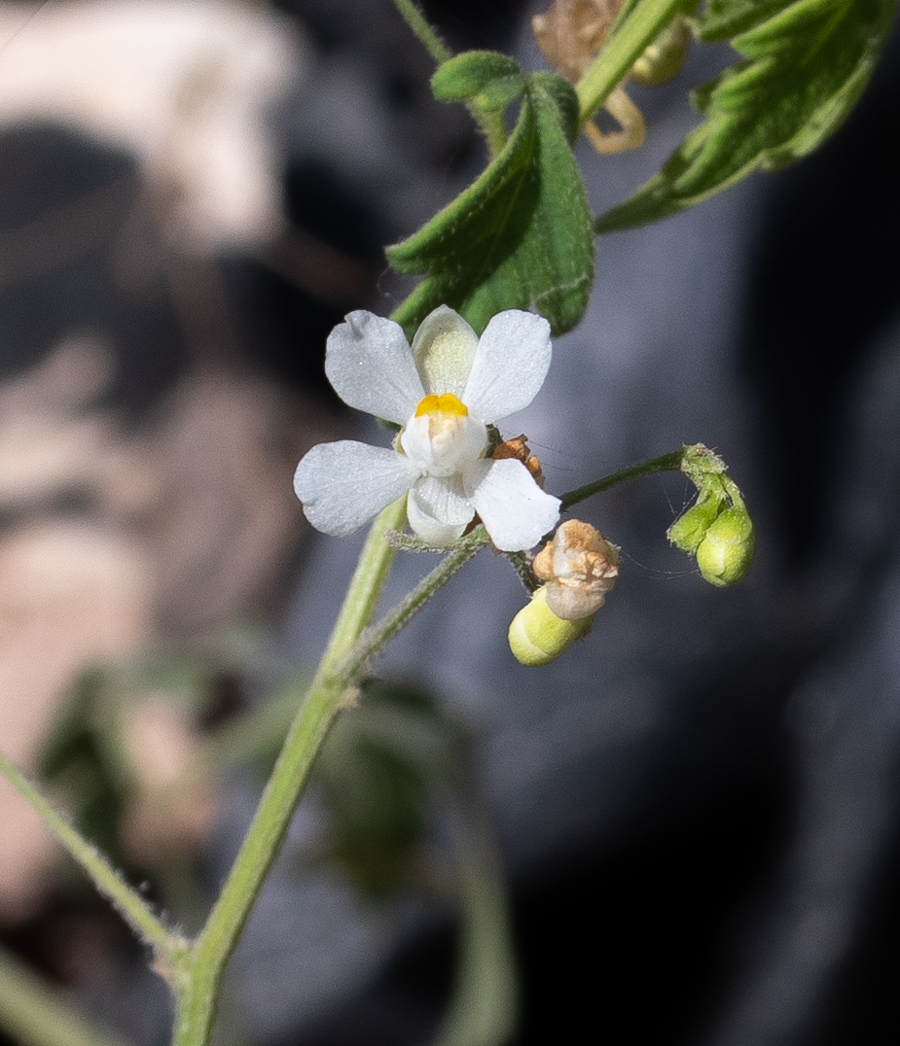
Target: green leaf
[
  {"x": 723, "y": 19},
  {"x": 560, "y": 96},
  {"x": 520, "y": 236},
  {"x": 805, "y": 67},
  {"x": 466, "y": 75},
  {"x": 499, "y": 93}
]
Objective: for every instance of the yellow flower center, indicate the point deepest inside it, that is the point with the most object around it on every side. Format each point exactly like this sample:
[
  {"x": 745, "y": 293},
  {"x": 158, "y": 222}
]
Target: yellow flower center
[
  {"x": 446, "y": 403},
  {"x": 441, "y": 436}
]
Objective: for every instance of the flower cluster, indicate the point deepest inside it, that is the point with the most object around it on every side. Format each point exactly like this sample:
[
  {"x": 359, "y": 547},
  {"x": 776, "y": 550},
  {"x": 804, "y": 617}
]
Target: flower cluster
[{"x": 444, "y": 391}]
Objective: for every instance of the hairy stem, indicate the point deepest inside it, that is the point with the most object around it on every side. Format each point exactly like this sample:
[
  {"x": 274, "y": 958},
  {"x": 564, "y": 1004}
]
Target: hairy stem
[
  {"x": 378, "y": 637},
  {"x": 133, "y": 908},
  {"x": 427, "y": 36},
  {"x": 199, "y": 975},
  {"x": 671, "y": 462},
  {"x": 625, "y": 46}
]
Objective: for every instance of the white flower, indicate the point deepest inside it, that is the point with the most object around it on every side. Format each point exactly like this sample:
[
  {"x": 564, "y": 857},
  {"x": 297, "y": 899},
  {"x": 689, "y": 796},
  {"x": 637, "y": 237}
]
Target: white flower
[{"x": 445, "y": 391}]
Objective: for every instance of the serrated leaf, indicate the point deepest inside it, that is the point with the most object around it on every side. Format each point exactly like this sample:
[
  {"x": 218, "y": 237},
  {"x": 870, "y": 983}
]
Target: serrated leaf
[
  {"x": 520, "y": 236},
  {"x": 805, "y": 67},
  {"x": 466, "y": 75}
]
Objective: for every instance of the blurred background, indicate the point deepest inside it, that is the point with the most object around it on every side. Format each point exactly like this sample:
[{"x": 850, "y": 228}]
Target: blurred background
[{"x": 695, "y": 811}]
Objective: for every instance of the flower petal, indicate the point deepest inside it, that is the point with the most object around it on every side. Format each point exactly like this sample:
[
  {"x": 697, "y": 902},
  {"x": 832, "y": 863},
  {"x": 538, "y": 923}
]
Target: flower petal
[
  {"x": 438, "y": 510},
  {"x": 370, "y": 365},
  {"x": 515, "y": 511},
  {"x": 443, "y": 348},
  {"x": 510, "y": 365},
  {"x": 344, "y": 485}
]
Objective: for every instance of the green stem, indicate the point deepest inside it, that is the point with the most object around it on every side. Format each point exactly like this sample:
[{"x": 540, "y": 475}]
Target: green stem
[
  {"x": 199, "y": 975},
  {"x": 482, "y": 1011},
  {"x": 625, "y": 46},
  {"x": 493, "y": 128},
  {"x": 238, "y": 742},
  {"x": 375, "y": 639},
  {"x": 131, "y": 905},
  {"x": 671, "y": 462},
  {"x": 34, "y": 1015},
  {"x": 429, "y": 39}
]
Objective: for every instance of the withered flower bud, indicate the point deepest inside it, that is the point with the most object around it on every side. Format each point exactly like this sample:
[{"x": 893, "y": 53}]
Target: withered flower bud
[
  {"x": 518, "y": 449},
  {"x": 580, "y": 566}
]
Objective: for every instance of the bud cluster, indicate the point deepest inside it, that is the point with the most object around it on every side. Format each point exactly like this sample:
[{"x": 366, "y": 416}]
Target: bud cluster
[{"x": 717, "y": 528}]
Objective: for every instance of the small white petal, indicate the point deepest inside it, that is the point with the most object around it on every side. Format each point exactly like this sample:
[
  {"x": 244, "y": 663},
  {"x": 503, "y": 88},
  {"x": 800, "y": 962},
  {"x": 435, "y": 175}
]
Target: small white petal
[
  {"x": 369, "y": 362},
  {"x": 443, "y": 348},
  {"x": 438, "y": 510},
  {"x": 344, "y": 485},
  {"x": 515, "y": 511},
  {"x": 510, "y": 365}
]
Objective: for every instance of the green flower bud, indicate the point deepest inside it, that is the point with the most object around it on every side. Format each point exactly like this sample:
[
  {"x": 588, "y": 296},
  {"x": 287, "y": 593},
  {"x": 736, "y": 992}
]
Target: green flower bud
[
  {"x": 726, "y": 551},
  {"x": 537, "y": 636},
  {"x": 663, "y": 59},
  {"x": 717, "y": 529},
  {"x": 689, "y": 530}
]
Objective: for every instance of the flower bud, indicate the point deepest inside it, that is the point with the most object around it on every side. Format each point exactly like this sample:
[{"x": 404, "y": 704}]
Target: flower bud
[
  {"x": 663, "y": 59},
  {"x": 689, "y": 530},
  {"x": 537, "y": 636},
  {"x": 580, "y": 566},
  {"x": 717, "y": 529},
  {"x": 726, "y": 551}
]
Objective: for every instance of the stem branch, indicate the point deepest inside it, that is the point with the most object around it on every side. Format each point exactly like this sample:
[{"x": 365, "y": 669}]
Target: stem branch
[
  {"x": 377, "y": 638},
  {"x": 671, "y": 462},
  {"x": 131, "y": 905}
]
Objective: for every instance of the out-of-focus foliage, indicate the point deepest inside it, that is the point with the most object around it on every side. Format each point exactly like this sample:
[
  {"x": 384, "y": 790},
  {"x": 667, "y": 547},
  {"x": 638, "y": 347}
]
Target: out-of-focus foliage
[
  {"x": 805, "y": 65},
  {"x": 383, "y": 767}
]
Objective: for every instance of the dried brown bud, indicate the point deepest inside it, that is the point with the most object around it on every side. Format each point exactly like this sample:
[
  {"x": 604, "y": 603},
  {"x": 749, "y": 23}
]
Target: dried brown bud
[
  {"x": 571, "y": 32},
  {"x": 517, "y": 448},
  {"x": 580, "y": 566}
]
